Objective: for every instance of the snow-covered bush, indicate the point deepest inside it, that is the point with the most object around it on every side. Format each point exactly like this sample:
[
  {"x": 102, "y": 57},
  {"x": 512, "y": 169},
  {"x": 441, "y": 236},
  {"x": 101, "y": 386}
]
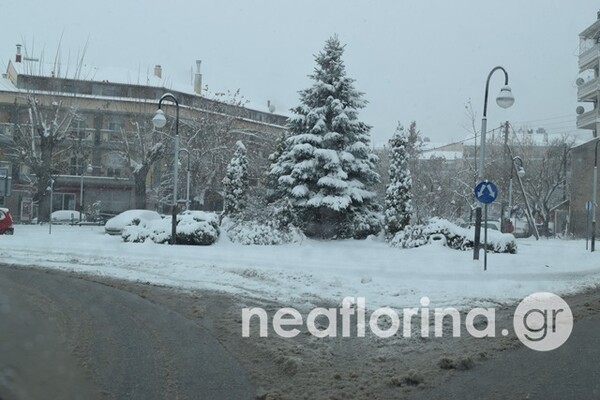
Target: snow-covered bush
[
  {"x": 366, "y": 223},
  {"x": 456, "y": 237},
  {"x": 252, "y": 232},
  {"x": 193, "y": 227}
]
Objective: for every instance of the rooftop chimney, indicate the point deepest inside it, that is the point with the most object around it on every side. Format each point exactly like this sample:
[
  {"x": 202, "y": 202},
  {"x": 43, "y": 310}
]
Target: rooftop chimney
[
  {"x": 18, "y": 56},
  {"x": 598, "y": 14},
  {"x": 158, "y": 71},
  {"x": 198, "y": 79}
]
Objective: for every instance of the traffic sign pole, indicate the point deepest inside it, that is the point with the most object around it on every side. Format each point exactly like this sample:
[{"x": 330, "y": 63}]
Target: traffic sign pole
[
  {"x": 485, "y": 212},
  {"x": 485, "y": 192}
]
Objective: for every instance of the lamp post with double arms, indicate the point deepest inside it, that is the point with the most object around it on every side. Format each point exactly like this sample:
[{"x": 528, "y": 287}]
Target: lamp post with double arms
[
  {"x": 160, "y": 121},
  {"x": 505, "y": 99},
  {"x": 521, "y": 173}
]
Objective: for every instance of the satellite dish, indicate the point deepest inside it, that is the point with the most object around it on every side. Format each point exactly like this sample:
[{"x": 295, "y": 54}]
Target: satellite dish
[
  {"x": 580, "y": 110},
  {"x": 579, "y": 81}
]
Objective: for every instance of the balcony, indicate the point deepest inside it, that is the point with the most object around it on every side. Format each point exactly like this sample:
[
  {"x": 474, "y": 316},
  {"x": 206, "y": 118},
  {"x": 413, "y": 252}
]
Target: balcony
[
  {"x": 589, "y": 90},
  {"x": 588, "y": 120},
  {"x": 589, "y": 58}
]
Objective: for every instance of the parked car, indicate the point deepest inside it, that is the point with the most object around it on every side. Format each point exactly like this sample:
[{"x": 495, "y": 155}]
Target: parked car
[
  {"x": 493, "y": 225},
  {"x": 522, "y": 229},
  {"x": 6, "y": 223},
  {"x": 65, "y": 217},
  {"x": 115, "y": 225}
]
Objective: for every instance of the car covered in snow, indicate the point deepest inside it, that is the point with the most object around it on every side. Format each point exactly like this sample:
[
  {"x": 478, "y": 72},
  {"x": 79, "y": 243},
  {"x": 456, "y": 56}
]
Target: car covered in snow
[
  {"x": 115, "y": 225},
  {"x": 65, "y": 217},
  {"x": 6, "y": 223}
]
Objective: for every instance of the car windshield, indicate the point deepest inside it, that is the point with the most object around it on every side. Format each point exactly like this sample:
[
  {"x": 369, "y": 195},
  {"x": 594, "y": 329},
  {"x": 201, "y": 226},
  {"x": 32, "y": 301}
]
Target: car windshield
[{"x": 299, "y": 199}]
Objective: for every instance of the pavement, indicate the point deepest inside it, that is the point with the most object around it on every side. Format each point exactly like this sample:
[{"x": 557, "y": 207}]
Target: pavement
[
  {"x": 64, "y": 337},
  {"x": 571, "y": 371}
]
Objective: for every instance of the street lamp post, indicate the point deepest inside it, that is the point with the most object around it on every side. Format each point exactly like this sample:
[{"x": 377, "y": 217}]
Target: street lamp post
[
  {"x": 89, "y": 170},
  {"x": 160, "y": 121},
  {"x": 187, "y": 179},
  {"x": 520, "y": 175},
  {"x": 505, "y": 99},
  {"x": 594, "y": 196}
]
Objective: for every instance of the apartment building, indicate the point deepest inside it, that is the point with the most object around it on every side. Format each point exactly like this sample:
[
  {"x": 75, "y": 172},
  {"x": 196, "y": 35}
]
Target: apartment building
[
  {"x": 107, "y": 103},
  {"x": 583, "y": 156}
]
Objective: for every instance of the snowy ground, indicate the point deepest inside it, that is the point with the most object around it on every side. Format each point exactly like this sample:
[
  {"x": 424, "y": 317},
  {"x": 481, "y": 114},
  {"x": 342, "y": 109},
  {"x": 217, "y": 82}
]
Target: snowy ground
[{"x": 304, "y": 274}]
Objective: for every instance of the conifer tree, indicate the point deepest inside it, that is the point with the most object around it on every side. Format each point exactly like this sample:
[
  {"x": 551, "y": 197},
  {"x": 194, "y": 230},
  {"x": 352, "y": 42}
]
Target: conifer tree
[
  {"x": 326, "y": 167},
  {"x": 235, "y": 183},
  {"x": 398, "y": 196}
]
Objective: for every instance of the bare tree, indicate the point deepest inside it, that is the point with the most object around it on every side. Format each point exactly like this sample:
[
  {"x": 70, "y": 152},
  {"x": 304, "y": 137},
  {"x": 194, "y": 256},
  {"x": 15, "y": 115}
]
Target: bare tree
[
  {"x": 37, "y": 141},
  {"x": 546, "y": 176},
  {"x": 143, "y": 148}
]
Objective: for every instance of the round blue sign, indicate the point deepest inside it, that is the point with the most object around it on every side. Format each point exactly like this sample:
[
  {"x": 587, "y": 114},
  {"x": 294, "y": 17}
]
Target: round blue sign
[{"x": 486, "y": 192}]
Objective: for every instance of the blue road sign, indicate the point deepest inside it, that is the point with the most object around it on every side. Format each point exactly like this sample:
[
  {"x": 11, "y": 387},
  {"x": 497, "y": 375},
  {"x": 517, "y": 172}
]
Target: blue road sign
[{"x": 486, "y": 192}]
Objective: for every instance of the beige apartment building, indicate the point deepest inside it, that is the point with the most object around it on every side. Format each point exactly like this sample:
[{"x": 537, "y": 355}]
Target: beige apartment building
[{"x": 107, "y": 104}]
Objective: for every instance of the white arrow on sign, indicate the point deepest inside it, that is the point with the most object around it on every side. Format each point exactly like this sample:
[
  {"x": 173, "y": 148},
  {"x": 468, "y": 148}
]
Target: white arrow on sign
[{"x": 489, "y": 188}]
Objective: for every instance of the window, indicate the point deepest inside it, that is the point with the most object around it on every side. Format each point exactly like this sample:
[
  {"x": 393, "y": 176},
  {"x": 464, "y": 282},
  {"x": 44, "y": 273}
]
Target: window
[
  {"x": 113, "y": 172},
  {"x": 114, "y": 164},
  {"x": 78, "y": 129},
  {"x": 76, "y": 165},
  {"x": 63, "y": 201},
  {"x": 115, "y": 124}
]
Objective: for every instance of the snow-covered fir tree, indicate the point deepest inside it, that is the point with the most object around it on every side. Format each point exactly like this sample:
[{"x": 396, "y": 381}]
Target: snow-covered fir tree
[
  {"x": 235, "y": 183},
  {"x": 326, "y": 166},
  {"x": 398, "y": 196}
]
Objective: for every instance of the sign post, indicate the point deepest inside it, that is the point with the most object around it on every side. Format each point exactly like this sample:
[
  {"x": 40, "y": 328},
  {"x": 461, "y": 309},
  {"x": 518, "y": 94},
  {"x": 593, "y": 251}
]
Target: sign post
[
  {"x": 5, "y": 183},
  {"x": 486, "y": 192},
  {"x": 588, "y": 208}
]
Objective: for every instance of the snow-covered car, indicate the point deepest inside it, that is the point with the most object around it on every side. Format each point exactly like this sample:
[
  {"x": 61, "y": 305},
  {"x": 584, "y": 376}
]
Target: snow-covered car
[
  {"x": 6, "y": 223},
  {"x": 115, "y": 225},
  {"x": 65, "y": 217}
]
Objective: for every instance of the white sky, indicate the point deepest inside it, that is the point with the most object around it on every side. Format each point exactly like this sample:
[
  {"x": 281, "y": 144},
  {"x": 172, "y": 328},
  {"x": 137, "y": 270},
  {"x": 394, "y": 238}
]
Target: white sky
[{"x": 415, "y": 60}]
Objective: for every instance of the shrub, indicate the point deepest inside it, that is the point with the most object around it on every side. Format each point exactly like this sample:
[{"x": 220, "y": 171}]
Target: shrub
[
  {"x": 456, "y": 237},
  {"x": 193, "y": 228},
  {"x": 252, "y": 232}
]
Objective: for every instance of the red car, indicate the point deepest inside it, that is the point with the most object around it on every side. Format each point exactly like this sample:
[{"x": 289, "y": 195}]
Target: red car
[{"x": 6, "y": 224}]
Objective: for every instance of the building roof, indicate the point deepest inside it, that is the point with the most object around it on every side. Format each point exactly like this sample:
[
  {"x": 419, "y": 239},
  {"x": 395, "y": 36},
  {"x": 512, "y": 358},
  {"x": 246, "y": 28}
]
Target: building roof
[
  {"x": 584, "y": 143},
  {"x": 96, "y": 73},
  {"x": 447, "y": 155},
  {"x": 104, "y": 75},
  {"x": 590, "y": 31}
]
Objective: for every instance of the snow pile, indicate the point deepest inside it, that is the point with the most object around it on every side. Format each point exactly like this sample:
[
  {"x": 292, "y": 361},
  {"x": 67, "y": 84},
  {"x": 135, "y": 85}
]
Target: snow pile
[
  {"x": 455, "y": 237},
  {"x": 317, "y": 272},
  {"x": 193, "y": 228},
  {"x": 257, "y": 233}
]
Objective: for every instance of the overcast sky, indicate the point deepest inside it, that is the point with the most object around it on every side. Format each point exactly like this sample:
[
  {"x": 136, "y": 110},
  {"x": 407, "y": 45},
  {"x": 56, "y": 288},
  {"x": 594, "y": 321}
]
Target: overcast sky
[{"x": 414, "y": 60}]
